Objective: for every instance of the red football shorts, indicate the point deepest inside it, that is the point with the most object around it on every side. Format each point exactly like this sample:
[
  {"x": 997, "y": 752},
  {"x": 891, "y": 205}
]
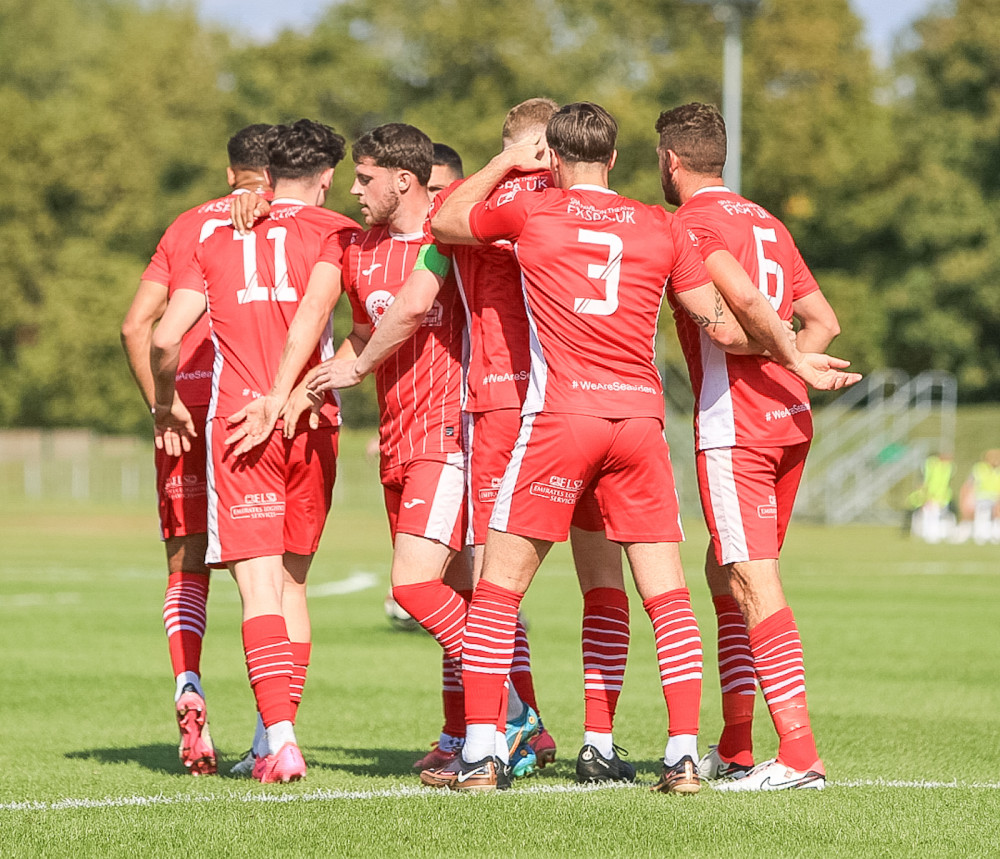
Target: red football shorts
[
  {"x": 181, "y": 487},
  {"x": 492, "y": 439},
  {"x": 747, "y": 495},
  {"x": 274, "y": 499},
  {"x": 426, "y": 498},
  {"x": 558, "y": 458}
]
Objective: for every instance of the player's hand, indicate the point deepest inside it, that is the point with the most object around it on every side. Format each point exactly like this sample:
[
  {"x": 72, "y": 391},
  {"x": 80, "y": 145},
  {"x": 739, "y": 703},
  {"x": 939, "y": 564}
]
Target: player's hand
[
  {"x": 528, "y": 156},
  {"x": 244, "y": 209},
  {"x": 173, "y": 428},
  {"x": 253, "y": 424},
  {"x": 333, "y": 373},
  {"x": 825, "y": 373},
  {"x": 299, "y": 401}
]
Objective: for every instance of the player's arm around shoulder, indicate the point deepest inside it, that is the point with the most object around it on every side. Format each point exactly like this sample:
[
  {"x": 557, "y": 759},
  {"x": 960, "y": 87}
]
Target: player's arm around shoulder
[{"x": 451, "y": 223}]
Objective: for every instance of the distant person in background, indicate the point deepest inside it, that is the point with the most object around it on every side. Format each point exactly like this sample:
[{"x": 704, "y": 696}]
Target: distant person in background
[
  {"x": 980, "y": 501},
  {"x": 933, "y": 518},
  {"x": 180, "y": 480}
]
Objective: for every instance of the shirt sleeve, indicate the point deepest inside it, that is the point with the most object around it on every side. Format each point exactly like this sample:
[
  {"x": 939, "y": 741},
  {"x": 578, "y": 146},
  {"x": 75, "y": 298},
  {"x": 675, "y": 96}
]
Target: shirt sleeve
[
  {"x": 335, "y": 245},
  {"x": 193, "y": 274},
  {"x": 173, "y": 252},
  {"x": 502, "y": 218},
  {"x": 688, "y": 271},
  {"x": 803, "y": 282}
]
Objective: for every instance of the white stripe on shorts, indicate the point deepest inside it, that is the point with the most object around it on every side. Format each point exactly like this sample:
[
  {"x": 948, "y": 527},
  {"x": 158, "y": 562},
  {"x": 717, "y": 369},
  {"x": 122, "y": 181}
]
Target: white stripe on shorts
[
  {"x": 448, "y": 501},
  {"x": 725, "y": 502},
  {"x": 501, "y": 507}
]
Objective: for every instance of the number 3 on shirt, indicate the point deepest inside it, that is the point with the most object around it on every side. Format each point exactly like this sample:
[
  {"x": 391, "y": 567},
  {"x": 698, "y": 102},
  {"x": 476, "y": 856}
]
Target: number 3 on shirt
[
  {"x": 768, "y": 268},
  {"x": 252, "y": 290},
  {"x": 610, "y": 273}
]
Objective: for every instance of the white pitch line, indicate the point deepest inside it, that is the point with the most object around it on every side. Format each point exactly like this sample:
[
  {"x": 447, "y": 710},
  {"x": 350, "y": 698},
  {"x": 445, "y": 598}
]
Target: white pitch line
[
  {"x": 355, "y": 582},
  {"x": 326, "y": 795},
  {"x": 35, "y": 600}
]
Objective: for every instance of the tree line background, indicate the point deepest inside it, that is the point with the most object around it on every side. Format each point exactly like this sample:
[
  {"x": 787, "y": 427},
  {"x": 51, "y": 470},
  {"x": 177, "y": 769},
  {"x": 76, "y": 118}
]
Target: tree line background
[{"x": 116, "y": 114}]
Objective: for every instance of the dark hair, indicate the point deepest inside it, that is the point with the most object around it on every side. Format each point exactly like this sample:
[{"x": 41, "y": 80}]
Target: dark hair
[
  {"x": 533, "y": 113},
  {"x": 399, "y": 147},
  {"x": 445, "y": 156},
  {"x": 303, "y": 149},
  {"x": 697, "y": 133},
  {"x": 248, "y": 147},
  {"x": 582, "y": 132}
]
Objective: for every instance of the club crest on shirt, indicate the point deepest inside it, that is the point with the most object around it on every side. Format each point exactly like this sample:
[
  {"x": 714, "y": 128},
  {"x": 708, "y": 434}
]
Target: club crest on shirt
[{"x": 377, "y": 303}]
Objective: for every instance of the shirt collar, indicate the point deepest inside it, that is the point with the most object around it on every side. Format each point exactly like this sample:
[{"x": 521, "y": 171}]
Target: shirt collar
[
  {"x": 585, "y": 187},
  {"x": 712, "y": 189}
]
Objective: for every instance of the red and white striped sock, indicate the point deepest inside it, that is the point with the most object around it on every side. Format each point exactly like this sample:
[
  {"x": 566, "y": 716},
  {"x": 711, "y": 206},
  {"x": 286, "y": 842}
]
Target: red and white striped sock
[
  {"x": 301, "y": 653},
  {"x": 777, "y": 653},
  {"x": 441, "y": 611},
  {"x": 605, "y": 639},
  {"x": 269, "y": 666},
  {"x": 678, "y": 651},
  {"x": 738, "y": 681},
  {"x": 184, "y": 609},
  {"x": 520, "y": 668},
  {"x": 487, "y": 652}
]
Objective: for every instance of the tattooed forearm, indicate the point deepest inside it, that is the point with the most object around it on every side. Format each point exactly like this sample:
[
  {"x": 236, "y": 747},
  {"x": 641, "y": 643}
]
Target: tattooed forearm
[{"x": 704, "y": 321}]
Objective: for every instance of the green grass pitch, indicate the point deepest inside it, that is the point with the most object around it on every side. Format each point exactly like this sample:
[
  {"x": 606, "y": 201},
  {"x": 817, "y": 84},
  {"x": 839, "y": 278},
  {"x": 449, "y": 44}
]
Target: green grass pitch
[{"x": 902, "y": 645}]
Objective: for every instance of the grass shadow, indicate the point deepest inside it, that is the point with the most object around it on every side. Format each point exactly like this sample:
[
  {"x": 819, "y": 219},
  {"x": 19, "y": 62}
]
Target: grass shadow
[{"x": 157, "y": 757}]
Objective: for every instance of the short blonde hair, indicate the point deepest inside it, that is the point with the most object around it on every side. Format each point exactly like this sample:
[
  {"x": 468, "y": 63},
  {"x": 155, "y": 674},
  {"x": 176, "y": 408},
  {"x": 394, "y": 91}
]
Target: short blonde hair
[{"x": 528, "y": 115}]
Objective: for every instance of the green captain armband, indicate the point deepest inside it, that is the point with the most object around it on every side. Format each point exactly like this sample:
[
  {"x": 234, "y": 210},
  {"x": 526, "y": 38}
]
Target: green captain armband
[{"x": 431, "y": 259}]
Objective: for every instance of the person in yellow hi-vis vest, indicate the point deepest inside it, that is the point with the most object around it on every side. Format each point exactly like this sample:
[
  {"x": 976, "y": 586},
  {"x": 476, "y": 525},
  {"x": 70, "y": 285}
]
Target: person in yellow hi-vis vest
[
  {"x": 933, "y": 519},
  {"x": 980, "y": 500}
]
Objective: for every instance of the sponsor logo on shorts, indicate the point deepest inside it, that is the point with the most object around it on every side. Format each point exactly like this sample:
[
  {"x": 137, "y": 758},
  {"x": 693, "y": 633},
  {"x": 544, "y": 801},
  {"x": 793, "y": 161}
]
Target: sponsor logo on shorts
[
  {"x": 258, "y": 505},
  {"x": 184, "y": 486},
  {"x": 769, "y": 510},
  {"x": 562, "y": 490},
  {"x": 488, "y": 496},
  {"x": 413, "y": 502}
]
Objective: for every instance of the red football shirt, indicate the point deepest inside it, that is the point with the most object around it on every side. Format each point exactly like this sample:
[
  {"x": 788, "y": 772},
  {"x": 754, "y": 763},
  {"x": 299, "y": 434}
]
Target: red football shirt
[
  {"x": 253, "y": 285},
  {"x": 172, "y": 257},
  {"x": 595, "y": 266},
  {"x": 745, "y": 400},
  {"x": 489, "y": 279},
  {"x": 420, "y": 386}
]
